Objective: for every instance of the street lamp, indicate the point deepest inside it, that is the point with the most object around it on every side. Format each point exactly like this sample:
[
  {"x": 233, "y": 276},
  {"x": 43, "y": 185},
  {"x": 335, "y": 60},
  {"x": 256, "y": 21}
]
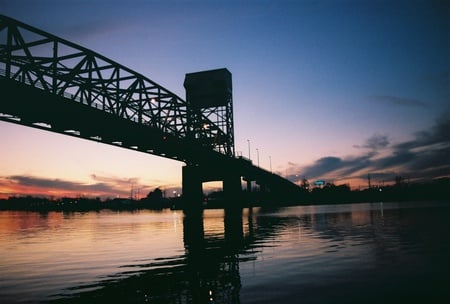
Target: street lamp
[
  {"x": 257, "y": 155},
  {"x": 270, "y": 160}
]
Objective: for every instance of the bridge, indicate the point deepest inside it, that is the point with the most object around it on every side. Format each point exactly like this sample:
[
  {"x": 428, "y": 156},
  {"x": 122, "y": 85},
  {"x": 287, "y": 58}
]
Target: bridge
[{"x": 53, "y": 84}]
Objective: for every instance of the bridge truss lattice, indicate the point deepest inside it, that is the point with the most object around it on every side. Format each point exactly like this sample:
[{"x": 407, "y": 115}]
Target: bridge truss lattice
[{"x": 60, "y": 67}]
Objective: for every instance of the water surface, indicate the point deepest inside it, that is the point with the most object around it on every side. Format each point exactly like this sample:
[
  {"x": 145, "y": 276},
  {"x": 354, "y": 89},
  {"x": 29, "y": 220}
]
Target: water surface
[{"x": 349, "y": 253}]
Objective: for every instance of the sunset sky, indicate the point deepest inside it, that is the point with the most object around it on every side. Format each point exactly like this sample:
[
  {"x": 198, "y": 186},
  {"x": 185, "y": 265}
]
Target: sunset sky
[{"x": 331, "y": 90}]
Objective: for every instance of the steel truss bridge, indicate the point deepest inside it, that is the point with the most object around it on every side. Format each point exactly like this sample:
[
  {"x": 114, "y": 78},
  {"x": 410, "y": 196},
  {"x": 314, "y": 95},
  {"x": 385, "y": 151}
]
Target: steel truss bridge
[{"x": 50, "y": 83}]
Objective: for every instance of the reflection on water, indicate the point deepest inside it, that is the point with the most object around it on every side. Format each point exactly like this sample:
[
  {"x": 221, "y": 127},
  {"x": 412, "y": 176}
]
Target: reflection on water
[{"x": 378, "y": 253}]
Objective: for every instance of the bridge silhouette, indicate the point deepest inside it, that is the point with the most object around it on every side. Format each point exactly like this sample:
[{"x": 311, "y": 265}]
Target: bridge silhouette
[{"x": 53, "y": 84}]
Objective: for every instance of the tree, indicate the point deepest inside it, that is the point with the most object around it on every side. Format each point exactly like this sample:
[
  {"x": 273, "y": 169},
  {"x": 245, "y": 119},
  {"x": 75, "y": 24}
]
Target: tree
[
  {"x": 156, "y": 194},
  {"x": 305, "y": 184}
]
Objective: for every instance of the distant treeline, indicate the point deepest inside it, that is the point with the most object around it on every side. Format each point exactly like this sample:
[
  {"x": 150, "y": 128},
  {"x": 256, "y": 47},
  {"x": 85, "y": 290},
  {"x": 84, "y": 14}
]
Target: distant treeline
[
  {"x": 328, "y": 194},
  {"x": 30, "y": 203},
  {"x": 435, "y": 190},
  {"x": 154, "y": 200}
]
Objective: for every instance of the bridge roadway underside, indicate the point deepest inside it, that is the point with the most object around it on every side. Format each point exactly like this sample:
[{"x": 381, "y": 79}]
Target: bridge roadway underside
[
  {"x": 60, "y": 115},
  {"x": 65, "y": 116},
  {"x": 230, "y": 171}
]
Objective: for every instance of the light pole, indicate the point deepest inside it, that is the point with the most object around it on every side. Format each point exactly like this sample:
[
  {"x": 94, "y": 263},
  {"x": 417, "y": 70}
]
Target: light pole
[
  {"x": 270, "y": 160},
  {"x": 257, "y": 155},
  {"x": 248, "y": 141}
]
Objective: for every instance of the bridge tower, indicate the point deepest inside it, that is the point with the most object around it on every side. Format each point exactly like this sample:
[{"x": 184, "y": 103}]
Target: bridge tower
[{"x": 209, "y": 99}]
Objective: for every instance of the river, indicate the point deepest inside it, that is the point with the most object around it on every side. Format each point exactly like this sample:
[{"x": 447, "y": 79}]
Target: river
[{"x": 343, "y": 253}]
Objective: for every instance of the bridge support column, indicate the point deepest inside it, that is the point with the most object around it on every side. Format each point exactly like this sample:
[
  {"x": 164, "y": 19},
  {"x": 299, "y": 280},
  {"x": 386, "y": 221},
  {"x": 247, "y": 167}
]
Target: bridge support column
[
  {"x": 249, "y": 186},
  {"x": 232, "y": 186},
  {"x": 192, "y": 185}
]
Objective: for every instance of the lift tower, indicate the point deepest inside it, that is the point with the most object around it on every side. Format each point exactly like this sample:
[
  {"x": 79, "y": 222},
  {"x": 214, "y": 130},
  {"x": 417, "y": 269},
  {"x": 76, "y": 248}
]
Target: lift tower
[{"x": 209, "y": 99}]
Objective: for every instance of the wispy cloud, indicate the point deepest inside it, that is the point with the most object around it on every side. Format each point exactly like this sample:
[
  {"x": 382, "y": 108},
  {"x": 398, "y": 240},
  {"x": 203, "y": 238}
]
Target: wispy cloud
[
  {"x": 426, "y": 156},
  {"x": 101, "y": 186},
  {"x": 116, "y": 181},
  {"x": 375, "y": 142},
  {"x": 26, "y": 184},
  {"x": 400, "y": 101}
]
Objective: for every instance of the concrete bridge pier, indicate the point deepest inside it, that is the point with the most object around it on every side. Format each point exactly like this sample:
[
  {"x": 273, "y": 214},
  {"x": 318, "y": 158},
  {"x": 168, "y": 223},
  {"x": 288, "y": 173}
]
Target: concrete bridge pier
[
  {"x": 249, "y": 186},
  {"x": 193, "y": 176},
  {"x": 232, "y": 188},
  {"x": 192, "y": 185}
]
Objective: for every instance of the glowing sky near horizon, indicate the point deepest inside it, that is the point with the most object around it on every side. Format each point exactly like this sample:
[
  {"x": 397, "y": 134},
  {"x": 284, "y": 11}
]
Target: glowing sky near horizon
[{"x": 331, "y": 90}]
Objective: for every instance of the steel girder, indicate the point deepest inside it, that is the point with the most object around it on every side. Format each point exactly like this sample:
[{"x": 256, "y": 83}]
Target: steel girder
[{"x": 60, "y": 67}]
